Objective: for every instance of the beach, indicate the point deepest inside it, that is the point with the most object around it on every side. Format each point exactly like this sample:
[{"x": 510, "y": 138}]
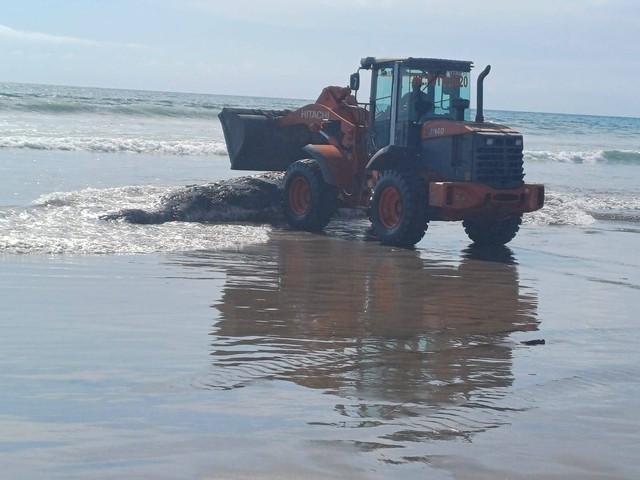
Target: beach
[
  {"x": 323, "y": 357},
  {"x": 241, "y": 351}
]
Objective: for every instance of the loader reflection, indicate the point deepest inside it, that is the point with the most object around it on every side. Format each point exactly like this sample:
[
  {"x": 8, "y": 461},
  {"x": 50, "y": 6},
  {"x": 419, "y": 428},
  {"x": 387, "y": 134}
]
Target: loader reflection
[{"x": 390, "y": 333}]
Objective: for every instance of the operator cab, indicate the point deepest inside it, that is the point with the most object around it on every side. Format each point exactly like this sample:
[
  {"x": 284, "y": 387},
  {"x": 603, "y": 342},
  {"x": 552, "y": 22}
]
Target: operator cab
[{"x": 407, "y": 92}]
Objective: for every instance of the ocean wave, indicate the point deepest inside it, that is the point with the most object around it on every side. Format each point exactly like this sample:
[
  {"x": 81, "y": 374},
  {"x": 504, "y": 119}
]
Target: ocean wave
[
  {"x": 560, "y": 209},
  {"x": 629, "y": 217},
  {"x": 625, "y": 157},
  {"x": 173, "y": 111},
  {"x": 610, "y": 157},
  {"x": 584, "y": 209},
  {"x": 218, "y": 148},
  {"x": 117, "y": 145},
  {"x": 69, "y": 222},
  {"x": 77, "y": 101},
  {"x": 126, "y": 106}
]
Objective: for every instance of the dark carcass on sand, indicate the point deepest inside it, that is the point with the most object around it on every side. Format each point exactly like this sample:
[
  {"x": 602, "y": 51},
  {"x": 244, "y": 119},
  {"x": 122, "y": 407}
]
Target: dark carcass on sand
[{"x": 250, "y": 199}]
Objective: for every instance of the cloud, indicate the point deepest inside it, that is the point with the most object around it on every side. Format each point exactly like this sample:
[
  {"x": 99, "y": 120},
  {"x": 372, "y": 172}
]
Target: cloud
[
  {"x": 339, "y": 11},
  {"x": 27, "y": 36},
  {"x": 38, "y": 37},
  {"x": 286, "y": 11}
]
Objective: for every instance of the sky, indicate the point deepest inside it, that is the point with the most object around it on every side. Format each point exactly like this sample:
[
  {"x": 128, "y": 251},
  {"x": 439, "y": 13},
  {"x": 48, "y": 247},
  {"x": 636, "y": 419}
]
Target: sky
[{"x": 565, "y": 56}]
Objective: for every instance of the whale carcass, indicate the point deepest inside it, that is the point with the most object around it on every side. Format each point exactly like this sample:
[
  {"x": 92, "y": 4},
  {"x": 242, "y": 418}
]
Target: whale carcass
[{"x": 244, "y": 199}]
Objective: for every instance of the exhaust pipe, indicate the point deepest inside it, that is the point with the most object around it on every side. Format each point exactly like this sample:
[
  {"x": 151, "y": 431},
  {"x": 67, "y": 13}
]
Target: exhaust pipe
[{"x": 479, "y": 94}]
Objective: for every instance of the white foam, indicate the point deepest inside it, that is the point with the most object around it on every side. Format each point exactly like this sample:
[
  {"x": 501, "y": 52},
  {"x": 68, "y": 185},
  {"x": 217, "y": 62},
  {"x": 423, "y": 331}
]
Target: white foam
[
  {"x": 591, "y": 157},
  {"x": 68, "y": 222},
  {"x": 116, "y": 145},
  {"x": 560, "y": 209},
  {"x": 630, "y": 157},
  {"x": 568, "y": 208}
]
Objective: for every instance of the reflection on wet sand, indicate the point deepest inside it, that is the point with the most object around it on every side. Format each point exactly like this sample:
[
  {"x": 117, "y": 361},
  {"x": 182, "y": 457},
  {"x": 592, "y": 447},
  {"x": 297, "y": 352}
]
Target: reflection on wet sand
[{"x": 419, "y": 348}]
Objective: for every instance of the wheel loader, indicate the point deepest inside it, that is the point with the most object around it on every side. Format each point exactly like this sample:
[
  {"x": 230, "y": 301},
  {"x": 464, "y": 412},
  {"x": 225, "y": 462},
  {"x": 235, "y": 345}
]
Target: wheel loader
[{"x": 411, "y": 155}]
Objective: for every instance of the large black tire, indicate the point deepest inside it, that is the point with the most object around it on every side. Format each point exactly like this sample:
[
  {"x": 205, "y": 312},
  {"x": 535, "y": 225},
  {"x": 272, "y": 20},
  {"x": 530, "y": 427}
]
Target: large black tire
[
  {"x": 493, "y": 232},
  {"x": 398, "y": 208},
  {"x": 309, "y": 202}
]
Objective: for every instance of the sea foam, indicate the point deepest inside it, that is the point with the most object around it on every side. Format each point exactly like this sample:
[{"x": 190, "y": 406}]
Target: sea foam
[
  {"x": 68, "y": 222},
  {"x": 117, "y": 145},
  {"x": 612, "y": 157}
]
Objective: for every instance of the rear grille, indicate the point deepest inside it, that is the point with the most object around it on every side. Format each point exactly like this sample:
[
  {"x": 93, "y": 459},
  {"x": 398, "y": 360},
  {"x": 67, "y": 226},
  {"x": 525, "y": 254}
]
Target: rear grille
[{"x": 498, "y": 161}]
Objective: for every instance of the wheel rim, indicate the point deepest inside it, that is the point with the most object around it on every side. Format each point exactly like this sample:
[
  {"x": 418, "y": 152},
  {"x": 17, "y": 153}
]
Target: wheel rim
[
  {"x": 390, "y": 207},
  {"x": 299, "y": 196}
]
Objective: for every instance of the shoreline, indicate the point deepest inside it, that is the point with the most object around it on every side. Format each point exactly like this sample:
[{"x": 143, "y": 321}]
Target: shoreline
[
  {"x": 244, "y": 351},
  {"x": 161, "y": 364}
]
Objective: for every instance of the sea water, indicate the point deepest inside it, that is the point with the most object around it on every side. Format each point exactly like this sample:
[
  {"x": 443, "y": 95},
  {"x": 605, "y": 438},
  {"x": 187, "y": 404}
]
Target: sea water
[
  {"x": 72, "y": 154},
  {"x": 189, "y": 350}
]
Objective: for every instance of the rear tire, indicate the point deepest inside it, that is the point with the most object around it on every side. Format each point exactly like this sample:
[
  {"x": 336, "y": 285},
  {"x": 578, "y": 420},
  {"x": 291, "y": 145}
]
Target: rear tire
[
  {"x": 493, "y": 232},
  {"x": 309, "y": 202},
  {"x": 398, "y": 208}
]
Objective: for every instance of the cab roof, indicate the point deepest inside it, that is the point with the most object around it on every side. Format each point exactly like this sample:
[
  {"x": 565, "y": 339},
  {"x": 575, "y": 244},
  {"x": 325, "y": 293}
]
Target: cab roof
[{"x": 415, "y": 62}]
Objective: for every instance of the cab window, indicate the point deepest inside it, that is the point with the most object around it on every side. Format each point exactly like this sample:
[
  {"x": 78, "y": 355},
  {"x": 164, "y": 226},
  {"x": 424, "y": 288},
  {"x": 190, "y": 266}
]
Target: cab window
[
  {"x": 382, "y": 108},
  {"x": 427, "y": 94}
]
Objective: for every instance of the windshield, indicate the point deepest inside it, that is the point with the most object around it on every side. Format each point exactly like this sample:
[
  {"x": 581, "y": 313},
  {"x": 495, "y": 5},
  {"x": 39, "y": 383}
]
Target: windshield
[
  {"x": 406, "y": 95},
  {"x": 438, "y": 93}
]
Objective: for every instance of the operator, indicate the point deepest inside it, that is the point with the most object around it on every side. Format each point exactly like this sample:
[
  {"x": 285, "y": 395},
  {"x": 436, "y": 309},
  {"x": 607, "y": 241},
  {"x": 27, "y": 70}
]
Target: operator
[{"x": 415, "y": 105}]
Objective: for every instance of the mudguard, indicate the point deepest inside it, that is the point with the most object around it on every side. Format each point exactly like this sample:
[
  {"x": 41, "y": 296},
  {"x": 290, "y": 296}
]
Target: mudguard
[
  {"x": 334, "y": 167},
  {"x": 393, "y": 157}
]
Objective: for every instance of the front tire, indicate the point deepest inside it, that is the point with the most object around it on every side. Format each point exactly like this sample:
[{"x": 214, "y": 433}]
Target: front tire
[
  {"x": 398, "y": 208},
  {"x": 493, "y": 232},
  {"x": 309, "y": 202}
]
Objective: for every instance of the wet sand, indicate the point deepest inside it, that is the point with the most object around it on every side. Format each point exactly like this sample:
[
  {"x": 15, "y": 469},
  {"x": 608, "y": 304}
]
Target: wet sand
[{"x": 327, "y": 356}]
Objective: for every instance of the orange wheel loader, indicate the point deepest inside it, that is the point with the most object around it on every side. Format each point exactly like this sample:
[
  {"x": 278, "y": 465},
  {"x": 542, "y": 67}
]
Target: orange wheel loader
[{"x": 411, "y": 155}]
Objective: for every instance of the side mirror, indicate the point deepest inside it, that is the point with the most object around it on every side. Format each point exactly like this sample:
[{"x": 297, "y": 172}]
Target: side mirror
[{"x": 354, "y": 81}]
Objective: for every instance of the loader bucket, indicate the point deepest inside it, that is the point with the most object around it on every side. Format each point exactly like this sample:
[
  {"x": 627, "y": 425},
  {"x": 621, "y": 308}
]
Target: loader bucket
[{"x": 256, "y": 141}]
